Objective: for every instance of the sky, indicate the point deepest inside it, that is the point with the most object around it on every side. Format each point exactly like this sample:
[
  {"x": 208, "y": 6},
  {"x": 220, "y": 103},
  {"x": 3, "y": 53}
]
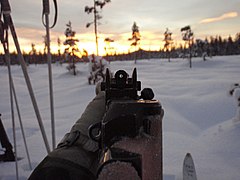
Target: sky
[{"x": 206, "y": 18}]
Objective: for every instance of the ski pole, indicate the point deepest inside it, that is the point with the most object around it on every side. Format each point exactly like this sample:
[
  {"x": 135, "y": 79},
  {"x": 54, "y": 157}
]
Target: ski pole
[
  {"x": 46, "y": 13},
  {"x": 8, "y": 20}
]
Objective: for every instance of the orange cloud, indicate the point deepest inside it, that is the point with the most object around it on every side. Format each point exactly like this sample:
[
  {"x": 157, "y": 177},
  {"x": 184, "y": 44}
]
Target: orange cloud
[{"x": 220, "y": 18}]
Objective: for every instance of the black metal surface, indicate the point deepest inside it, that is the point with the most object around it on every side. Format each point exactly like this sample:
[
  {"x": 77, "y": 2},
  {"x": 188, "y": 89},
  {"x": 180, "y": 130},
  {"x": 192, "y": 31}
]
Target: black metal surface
[
  {"x": 121, "y": 86},
  {"x": 8, "y": 153}
]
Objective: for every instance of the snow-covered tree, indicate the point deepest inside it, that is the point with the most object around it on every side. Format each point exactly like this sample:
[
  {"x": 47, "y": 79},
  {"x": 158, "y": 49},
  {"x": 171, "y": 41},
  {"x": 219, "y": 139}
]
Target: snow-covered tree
[
  {"x": 187, "y": 36},
  {"x": 235, "y": 92},
  {"x": 202, "y": 48},
  {"x": 71, "y": 48}
]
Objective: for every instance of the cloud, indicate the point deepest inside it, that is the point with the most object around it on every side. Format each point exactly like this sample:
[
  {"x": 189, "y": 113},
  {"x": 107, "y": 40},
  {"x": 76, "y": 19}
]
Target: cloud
[{"x": 220, "y": 18}]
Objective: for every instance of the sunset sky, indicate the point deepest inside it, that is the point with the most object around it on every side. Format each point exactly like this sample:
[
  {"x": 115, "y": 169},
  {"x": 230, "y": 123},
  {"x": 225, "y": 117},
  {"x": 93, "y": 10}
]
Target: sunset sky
[{"x": 206, "y": 18}]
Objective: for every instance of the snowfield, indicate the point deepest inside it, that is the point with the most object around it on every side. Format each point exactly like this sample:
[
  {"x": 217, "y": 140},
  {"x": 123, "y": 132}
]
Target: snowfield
[{"x": 199, "y": 113}]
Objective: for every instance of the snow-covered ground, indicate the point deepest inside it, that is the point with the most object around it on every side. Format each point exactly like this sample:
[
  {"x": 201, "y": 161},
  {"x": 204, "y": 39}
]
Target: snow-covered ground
[{"x": 198, "y": 111}]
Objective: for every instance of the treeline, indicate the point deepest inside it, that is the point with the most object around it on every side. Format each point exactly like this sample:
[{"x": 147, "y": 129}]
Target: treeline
[
  {"x": 214, "y": 46},
  {"x": 37, "y": 58}
]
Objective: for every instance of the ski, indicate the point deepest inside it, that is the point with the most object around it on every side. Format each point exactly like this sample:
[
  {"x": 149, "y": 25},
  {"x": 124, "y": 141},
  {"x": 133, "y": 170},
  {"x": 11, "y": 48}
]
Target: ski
[{"x": 189, "y": 172}]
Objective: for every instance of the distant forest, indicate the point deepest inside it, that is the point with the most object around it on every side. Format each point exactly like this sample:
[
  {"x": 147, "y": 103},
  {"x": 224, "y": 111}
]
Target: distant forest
[{"x": 213, "y": 46}]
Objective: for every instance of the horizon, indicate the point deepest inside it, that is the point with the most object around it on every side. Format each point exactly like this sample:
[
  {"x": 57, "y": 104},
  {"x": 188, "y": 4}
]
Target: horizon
[{"x": 215, "y": 18}]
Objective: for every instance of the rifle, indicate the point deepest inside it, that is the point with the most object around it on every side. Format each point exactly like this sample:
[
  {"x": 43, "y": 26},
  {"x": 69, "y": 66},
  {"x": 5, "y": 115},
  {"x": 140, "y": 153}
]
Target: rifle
[{"x": 128, "y": 115}]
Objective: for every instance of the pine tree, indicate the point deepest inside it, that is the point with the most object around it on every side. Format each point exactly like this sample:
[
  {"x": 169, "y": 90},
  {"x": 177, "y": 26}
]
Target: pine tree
[
  {"x": 33, "y": 54},
  {"x": 72, "y": 48},
  {"x": 237, "y": 43},
  {"x": 135, "y": 37},
  {"x": 230, "y": 46},
  {"x": 95, "y": 10},
  {"x": 45, "y": 44},
  {"x": 187, "y": 36},
  {"x": 108, "y": 48},
  {"x": 168, "y": 43}
]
